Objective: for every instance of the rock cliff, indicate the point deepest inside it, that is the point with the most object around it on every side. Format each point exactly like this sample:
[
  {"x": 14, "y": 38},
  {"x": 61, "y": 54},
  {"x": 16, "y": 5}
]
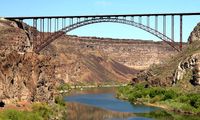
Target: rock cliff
[{"x": 24, "y": 76}]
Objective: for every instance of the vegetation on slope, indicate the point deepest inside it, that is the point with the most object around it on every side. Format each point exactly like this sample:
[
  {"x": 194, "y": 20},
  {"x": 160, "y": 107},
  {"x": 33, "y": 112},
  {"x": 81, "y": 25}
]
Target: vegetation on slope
[
  {"x": 169, "y": 98},
  {"x": 39, "y": 111}
]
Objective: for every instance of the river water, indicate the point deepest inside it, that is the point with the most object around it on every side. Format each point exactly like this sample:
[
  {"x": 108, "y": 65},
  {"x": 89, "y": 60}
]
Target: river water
[{"x": 101, "y": 104}]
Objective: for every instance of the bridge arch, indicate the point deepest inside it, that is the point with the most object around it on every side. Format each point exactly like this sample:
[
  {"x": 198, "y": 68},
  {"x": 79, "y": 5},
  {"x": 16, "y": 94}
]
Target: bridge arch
[{"x": 106, "y": 19}]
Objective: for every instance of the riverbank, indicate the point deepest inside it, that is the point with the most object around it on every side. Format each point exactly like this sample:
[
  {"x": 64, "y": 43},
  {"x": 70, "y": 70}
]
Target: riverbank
[
  {"x": 66, "y": 88},
  {"x": 169, "y": 99}
]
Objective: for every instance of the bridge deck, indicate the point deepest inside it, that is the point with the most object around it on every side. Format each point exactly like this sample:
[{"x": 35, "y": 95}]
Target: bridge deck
[{"x": 119, "y": 15}]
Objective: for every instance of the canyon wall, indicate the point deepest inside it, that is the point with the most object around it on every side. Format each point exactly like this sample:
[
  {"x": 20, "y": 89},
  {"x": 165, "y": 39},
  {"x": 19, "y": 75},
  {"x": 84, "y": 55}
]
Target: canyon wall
[
  {"x": 24, "y": 76},
  {"x": 137, "y": 54},
  {"x": 97, "y": 60}
]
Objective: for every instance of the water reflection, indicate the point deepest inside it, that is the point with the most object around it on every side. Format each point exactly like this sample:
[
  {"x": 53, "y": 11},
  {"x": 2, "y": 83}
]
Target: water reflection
[
  {"x": 77, "y": 111},
  {"x": 134, "y": 118},
  {"x": 109, "y": 102}
]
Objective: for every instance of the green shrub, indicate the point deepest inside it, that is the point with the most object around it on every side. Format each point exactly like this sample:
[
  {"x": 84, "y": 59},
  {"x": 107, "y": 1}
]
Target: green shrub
[
  {"x": 183, "y": 99},
  {"x": 64, "y": 87},
  {"x": 19, "y": 115},
  {"x": 43, "y": 109},
  {"x": 156, "y": 99},
  {"x": 194, "y": 100},
  {"x": 59, "y": 100},
  {"x": 186, "y": 107},
  {"x": 170, "y": 94},
  {"x": 156, "y": 92}
]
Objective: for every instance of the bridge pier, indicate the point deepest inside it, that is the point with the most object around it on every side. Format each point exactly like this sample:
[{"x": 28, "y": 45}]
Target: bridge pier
[{"x": 181, "y": 31}]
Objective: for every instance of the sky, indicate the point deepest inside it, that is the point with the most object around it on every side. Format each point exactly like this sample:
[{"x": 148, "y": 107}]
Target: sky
[{"x": 99, "y": 7}]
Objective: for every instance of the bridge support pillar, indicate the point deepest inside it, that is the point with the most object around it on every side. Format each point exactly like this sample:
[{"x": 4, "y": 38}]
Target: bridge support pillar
[{"x": 181, "y": 31}]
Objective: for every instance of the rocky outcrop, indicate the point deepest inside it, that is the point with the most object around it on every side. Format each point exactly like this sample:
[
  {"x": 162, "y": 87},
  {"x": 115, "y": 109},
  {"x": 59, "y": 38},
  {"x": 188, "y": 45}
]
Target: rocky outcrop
[
  {"x": 195, "y": 34},
  {"x": 196, "y": 72},
  {"x": 14, "y": 37},
  {"x": 26, "y": 77},
  {"x": 183, "y": 66},
  {"x": 191, "y": 63}
]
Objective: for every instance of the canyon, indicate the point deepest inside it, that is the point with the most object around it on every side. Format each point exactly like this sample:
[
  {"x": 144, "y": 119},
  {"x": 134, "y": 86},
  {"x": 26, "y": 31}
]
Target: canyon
[{"x": 25, "y": 75}]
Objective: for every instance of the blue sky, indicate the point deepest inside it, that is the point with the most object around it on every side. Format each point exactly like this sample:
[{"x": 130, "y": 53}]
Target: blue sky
[{"x": 96, "y": 7}]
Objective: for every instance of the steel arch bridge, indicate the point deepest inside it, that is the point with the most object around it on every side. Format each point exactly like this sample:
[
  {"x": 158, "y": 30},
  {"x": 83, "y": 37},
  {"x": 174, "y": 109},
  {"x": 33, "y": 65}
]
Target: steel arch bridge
[
  {"x": 52, "y": 27},
  {"x": 100, "y": 20}
]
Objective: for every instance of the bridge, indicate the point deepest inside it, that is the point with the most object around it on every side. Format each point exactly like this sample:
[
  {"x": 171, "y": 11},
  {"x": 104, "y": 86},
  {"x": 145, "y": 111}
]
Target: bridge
[{"x": 49, "y": 28}]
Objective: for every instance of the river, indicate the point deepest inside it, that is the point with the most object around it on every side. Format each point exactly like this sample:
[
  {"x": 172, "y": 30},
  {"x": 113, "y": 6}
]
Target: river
[{"x": 101, "y": 104}]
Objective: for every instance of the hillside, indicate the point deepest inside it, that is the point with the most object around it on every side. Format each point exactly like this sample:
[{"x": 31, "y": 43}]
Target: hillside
[{"x": 182, "y": 70}]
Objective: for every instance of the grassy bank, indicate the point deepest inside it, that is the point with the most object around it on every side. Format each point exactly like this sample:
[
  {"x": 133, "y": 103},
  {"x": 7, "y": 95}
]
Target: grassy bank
[
  {"x": 166, "y": 115},
  {"x": 172, "y": 99},
  {"x": 38, "y": 111}
]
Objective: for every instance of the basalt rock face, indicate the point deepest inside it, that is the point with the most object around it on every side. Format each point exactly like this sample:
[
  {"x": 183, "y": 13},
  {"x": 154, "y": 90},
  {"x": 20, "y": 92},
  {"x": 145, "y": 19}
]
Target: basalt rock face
[
  {"x": 13, "y": 37},
  {"x": 24, "y": 76}
]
